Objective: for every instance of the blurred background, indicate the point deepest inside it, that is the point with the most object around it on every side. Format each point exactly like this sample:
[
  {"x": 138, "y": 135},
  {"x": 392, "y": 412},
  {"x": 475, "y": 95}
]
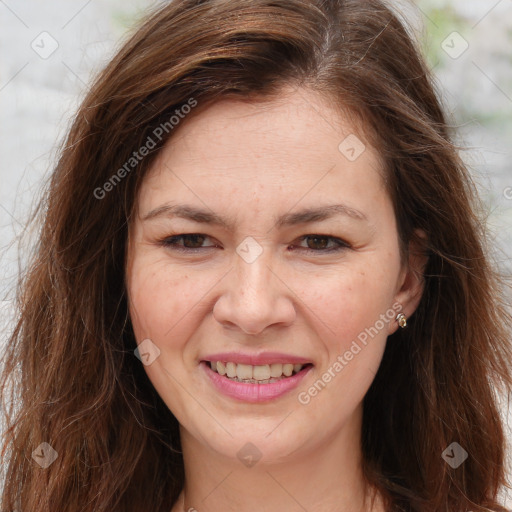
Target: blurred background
[{"x": 50, "y": 51}]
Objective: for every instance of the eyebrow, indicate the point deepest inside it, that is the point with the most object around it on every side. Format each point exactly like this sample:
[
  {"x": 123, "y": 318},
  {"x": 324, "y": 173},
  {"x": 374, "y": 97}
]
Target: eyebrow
[{"x": 304, "y": 216}]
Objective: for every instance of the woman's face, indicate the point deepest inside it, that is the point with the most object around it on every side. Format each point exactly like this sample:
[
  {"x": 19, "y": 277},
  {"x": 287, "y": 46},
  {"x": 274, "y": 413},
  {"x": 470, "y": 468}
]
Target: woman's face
[{"x": 291, "y": 257}]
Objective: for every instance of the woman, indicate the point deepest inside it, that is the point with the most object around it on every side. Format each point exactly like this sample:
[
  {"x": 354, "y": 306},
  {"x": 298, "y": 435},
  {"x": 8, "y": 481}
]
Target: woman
[{"x": 261, "y": 282}]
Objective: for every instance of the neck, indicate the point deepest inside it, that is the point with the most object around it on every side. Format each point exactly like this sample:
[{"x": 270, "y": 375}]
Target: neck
[{"x": 328, "y": 477}]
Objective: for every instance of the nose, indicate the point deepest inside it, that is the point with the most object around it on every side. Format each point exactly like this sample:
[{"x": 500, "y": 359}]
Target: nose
[{"x": 255, "y": 297}]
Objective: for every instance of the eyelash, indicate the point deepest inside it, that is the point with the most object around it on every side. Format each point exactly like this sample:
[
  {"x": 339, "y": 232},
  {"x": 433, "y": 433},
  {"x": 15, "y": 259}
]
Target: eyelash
[{"x": 169, "y": 242}]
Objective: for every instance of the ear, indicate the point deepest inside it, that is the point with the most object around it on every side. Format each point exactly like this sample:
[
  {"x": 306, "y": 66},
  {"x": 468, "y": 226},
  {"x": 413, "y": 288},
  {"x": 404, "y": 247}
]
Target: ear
[{"x": 411, "y": 282}]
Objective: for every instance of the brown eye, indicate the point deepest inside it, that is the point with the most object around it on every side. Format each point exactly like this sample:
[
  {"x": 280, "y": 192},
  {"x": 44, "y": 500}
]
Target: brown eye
[
  {"x": 191, "y": 241},
  {"x": 320, "y": 243}
]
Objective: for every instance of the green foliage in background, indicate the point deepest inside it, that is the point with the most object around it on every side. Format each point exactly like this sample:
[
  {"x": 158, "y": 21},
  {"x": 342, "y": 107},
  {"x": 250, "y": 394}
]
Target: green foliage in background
[{"x": 440, "y": 21}]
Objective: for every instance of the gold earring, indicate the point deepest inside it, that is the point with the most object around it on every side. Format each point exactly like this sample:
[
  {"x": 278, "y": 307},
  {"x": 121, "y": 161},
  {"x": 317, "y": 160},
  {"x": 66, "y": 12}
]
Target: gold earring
[{"x": 402, "y": 320}]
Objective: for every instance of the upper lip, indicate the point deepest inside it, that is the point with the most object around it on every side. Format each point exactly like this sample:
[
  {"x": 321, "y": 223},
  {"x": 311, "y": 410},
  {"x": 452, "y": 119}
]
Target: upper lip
[{"x": 256, "y": 359}]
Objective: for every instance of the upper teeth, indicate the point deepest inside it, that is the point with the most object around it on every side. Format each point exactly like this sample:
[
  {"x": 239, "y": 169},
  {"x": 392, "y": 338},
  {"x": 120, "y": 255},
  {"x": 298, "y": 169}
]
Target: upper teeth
[{"x": 261, "y": 372}]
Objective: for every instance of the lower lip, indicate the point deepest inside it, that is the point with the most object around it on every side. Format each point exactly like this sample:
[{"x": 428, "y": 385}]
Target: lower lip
[{"x": 247, "y": 392}]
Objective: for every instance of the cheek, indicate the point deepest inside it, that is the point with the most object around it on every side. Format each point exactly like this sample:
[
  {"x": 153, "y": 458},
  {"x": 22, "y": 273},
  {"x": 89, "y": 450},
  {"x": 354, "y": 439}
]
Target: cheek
[
  {"x": 356, "y": 306},
  {"x": 349, "y": 300},
  {"x": 162, "y": 298},
  {"x": 163, "y": 305}
]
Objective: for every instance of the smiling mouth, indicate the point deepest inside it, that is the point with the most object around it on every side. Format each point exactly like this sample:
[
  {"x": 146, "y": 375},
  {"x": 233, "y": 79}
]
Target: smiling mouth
[{"x": 260, "y": 374}]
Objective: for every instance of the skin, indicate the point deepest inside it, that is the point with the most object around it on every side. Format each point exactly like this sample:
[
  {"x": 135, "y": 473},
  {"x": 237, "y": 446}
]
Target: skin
[{"x": 252, "y": 162}]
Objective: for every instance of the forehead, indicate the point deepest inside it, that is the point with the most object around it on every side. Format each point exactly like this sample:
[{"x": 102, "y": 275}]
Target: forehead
[
  {"x": 293, "y": 147},
  {"x": 295, "y": 124}
]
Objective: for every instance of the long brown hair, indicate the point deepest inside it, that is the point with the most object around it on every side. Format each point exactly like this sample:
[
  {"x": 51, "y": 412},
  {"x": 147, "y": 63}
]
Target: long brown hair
[{"x": 70, "y": 362}]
